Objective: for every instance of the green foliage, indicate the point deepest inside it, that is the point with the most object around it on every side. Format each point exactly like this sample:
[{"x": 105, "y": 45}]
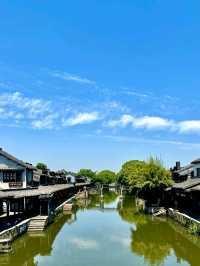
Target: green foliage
[
  {"x": 105, "y": 177},
  {"x": 193, "y": 228},
  {"x": 144, "y": 176},
  {"x": 41, "y": 166},
  {"x": 156, "y": 175},
  {"x": 132, "y": 174},
  {"x": 86, "y": 173}
]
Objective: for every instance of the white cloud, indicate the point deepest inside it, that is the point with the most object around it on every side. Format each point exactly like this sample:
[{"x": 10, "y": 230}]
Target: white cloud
[
  {"x": 18, "y": 109},
  {"x": 6, "y": 114},
  {"x": 122, "y": 240},
  {"x": 148, "y": 122},
  {"x": 151, "y": 122},
  {"x": 81, "y": 118},
  {"x": 190, "y": 126},
  {"x": 47, "y": 122},
  {"x": 72, "y": 77},
  {"x": 82, "y": 243},
  {"x": 155, "y": 122},
  {"x": 33, "y": 106}
]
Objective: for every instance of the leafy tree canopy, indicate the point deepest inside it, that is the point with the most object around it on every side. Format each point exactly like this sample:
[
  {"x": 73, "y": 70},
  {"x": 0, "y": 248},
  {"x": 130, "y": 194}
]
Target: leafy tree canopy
[
  {"x": 132, "y": 174},
  {"x": 41, "y": 166},
  {"x": 144, "y": 175},
  {"x": 87, "y": 173},
  {"x": 105, "y": 177}
]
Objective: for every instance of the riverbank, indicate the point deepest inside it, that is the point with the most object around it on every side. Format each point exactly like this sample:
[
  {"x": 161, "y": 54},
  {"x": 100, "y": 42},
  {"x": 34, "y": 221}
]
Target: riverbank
[
  {"x": 39, "y": 222},
  {"x": 103, "y": 233}
]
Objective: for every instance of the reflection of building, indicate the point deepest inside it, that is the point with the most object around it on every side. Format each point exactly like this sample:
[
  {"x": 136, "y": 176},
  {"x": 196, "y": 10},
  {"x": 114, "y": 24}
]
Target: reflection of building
[
  {"x": 14, "y": 173},
  {"x": 29, "y": 246}
]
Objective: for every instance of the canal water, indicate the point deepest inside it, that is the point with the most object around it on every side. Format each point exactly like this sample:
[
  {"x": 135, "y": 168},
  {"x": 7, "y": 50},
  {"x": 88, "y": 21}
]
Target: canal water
[{"x": 104, "y": 233}]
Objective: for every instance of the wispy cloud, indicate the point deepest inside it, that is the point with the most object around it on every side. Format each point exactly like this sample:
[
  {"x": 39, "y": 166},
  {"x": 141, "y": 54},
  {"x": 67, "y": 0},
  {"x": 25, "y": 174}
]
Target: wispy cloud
[
  {"x": 33, "y": 106},
  {"x": 47, "y": 122},
  {"x": 5, "y": 114},
  {"x": 81, "y": 118},
  {"x": 82, "y": 243},
  {"x": 121, "y": 138},
  {"x": 40, "y": 113},
  {"x": 124, "y": 241},
  {"x": 16, "y": 107},
  {"x": 72, "y": 77},
  {"x": 148, "y": 122},
  {"x": 135, "y": 93}
]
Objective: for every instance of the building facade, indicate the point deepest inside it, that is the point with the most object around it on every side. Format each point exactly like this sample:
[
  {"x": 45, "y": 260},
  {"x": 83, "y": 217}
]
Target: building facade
[{"x": 14, "y": 173}]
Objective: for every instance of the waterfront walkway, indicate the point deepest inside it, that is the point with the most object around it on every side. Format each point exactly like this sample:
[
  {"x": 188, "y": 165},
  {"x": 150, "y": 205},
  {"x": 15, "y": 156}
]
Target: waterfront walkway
[{"x": 41, "y": 190}]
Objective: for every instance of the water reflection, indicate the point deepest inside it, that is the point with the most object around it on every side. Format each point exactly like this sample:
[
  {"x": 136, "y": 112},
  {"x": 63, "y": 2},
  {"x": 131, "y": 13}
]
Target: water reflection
[
  {"x": 30, "y": 245},
  {"x": 155, "y": 239},
  {"x": 145, "y": 241}
]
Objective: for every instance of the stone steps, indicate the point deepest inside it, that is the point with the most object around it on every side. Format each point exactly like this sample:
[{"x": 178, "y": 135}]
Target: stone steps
[
  {"x": 38, "y": 223},
  {"x": 162, "y": 211}
]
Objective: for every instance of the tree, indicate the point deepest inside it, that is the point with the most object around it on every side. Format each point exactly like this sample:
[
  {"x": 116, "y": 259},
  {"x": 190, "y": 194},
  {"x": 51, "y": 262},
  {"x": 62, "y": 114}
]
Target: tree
[
  {"x": 86, "y": 173},
  {"x": 41, "y": 166},
  {"x": 132, "y": 174},
  {"x": 105, "y": 177},
  {"x": 156, "y": 175},
  {"x": 141, "y": 176}
]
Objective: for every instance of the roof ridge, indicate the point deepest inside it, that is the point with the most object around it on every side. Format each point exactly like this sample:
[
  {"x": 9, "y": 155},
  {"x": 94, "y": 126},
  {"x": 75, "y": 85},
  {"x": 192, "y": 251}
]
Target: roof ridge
[{"x": 13, "y": 158}]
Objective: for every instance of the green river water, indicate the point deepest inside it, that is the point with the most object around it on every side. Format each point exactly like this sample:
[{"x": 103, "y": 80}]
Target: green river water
[{"x": 99, "y": 234}]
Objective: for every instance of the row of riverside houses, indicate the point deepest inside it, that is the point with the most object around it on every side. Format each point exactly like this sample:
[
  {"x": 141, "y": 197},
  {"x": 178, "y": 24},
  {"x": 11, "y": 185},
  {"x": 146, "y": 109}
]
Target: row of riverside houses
[
  {"x": 26, "y": 191},
  {"x": 16, "y": 174},
  {"x": 185, "y": 192}
]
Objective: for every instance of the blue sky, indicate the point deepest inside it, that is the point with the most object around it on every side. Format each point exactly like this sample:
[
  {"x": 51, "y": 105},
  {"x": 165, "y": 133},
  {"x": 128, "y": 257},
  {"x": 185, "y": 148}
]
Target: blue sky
[{"x": 95, "y": 83}]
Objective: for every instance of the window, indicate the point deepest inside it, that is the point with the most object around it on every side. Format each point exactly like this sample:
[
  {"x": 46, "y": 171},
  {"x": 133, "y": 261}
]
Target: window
[
  {"x": 198, "y": 172},
  {"x": 9, "y": 177}
]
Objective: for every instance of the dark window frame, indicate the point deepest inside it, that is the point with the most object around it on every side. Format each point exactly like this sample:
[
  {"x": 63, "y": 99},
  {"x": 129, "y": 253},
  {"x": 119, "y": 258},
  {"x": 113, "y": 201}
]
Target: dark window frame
[
  {"x": 198, "y": 171},
  {"x": 9, "y": 176}
]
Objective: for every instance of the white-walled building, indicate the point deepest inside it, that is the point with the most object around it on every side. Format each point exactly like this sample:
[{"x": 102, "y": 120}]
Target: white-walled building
[
  {"x": 14, "y": 173},
  {"x": 196, "y": 167}
]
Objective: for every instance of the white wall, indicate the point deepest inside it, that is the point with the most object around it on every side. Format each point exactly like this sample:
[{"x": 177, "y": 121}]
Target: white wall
[
  {"x": 195, "y": 168},
  {"x": 6, "y": 164},
  {"x": 4, "y": 185}
]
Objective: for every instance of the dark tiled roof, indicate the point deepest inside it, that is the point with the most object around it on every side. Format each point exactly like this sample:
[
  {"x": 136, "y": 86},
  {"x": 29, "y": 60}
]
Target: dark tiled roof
[
  {"x": 196, "y": 188},
  {"x": 187, "y": 184},
  {"x": 186, "y": 170},
  {"x": 14, "y": 159},
  {"x": 196, "y": 161}
]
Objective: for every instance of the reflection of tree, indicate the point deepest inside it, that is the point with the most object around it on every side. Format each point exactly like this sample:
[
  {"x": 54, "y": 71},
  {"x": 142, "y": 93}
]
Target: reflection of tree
[
  {"x": 95, "y": 200},
  {"x": 150, "y": 237},
  {"x": 109, "y": 197},
  {"x": 129, "y": 213},
  {"x": 154, "y": 239},
  {"x": 151, "y": 241},
  {"x": 186, "y": 246},
  {"x": 87, "y": 203}
]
